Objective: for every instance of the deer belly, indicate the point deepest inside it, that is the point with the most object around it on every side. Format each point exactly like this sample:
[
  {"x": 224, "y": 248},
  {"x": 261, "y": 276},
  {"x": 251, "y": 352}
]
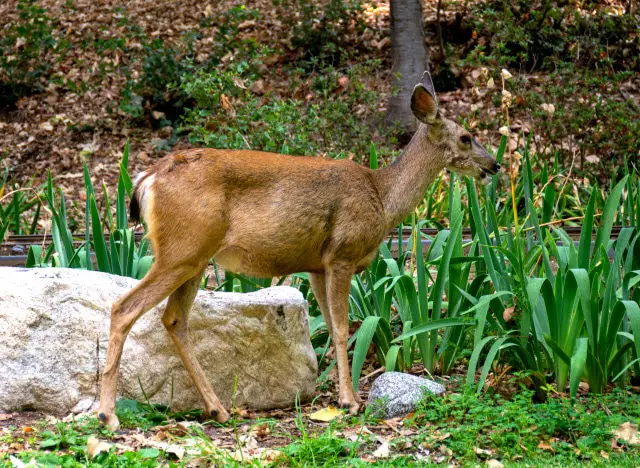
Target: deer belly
[{"x": 240, "y": 260}]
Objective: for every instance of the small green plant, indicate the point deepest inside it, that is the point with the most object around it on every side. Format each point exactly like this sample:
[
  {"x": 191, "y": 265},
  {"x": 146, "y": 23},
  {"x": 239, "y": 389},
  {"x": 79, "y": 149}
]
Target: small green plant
[
  {"x": 322, "y": 36},
  {"x": 507, "y": 428},
  {"x": 228, "y": 115},
  {"x": 118, "y": 255},
  {"x": 540, "y": 38},
  {"x": 163, "y": 67},
  {"x": 20, "y": 208},
  {"x": 25, "y": 53}
]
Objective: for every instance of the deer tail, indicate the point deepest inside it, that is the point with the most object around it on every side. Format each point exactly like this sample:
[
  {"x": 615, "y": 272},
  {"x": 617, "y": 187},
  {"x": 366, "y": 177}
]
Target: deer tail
[{"x": 142, "y": 192}]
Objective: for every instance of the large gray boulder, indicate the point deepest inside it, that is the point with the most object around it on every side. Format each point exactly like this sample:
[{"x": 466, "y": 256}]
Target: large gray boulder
[
  {"x": 54, "y": 327},
  {"x": 396, "y": 394}
]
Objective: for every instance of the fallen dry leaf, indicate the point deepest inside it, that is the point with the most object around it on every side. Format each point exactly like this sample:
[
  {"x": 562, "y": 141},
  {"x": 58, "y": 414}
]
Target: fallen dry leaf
[
  {"x": 628, "y": 432},
  {"x": 17, "y": 446},
  {"x": 507, "y": 315},
  {"x": 445, "y": 450},
  {"x": 545, "y": 446},
  {"x": 261, "y": 431},
  {"x": 176, "y": 450},
  {"x": 96, "y": 446},
  {"x": 382, "y": 451},
  {"x": 46, "y": 126},
  {"x": 270, "y": 455},
  {"x": 326, "y": 414},
  {"x": 548, "y": 108},
  {"x": 258, "y": 87},
  {"x": 238, "y": 82},
  {"x": 440, "y": 437},
  {"x": 225, "y": 102},
  {"x": 482, "y": 452}
]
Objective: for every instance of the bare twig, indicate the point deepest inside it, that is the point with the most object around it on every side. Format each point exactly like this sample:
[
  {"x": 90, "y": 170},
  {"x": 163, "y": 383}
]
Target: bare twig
[
  {"x": 375, "y": 372},
  {"x": 439, "y": 29}
]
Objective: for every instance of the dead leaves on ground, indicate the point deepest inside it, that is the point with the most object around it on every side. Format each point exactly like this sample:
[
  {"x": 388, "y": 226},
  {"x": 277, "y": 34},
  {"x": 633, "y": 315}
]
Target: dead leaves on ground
[
  {"x": 95, "y": 447},
  {"x": 326, "y": 414},
  {"x": 628, "y": 432},
  {"x": 191, "y": 442}
]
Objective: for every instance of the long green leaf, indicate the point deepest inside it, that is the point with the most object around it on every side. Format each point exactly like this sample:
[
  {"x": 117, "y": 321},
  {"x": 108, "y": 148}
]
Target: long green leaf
[
  {"x": 578, "y": 361},
  {"x": 584, "y": 248},
  {"x": 365, "y": 335},
  {"x": 434, "y": 325},
  {"x": 608, "y": 216},
  {"x": 99, "y": 243},
  {"x": 475, "y": 357}
]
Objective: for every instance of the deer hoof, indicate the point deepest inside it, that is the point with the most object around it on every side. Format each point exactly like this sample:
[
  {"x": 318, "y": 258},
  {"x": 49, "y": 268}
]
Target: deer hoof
[
  {"x": 220, "y": 415},
  {"x": 353, "y": 406},
  {"x": 110, "y": 421}
]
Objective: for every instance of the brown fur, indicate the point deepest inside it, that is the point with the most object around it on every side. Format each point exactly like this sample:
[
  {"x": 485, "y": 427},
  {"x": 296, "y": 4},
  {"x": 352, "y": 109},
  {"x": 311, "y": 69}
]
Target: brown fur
[{"x": 266, "y": 214}]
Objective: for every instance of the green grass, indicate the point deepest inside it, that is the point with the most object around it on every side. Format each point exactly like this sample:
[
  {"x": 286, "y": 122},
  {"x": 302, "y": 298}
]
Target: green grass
[
  {"x": 462, "y": 428},
  {"x": 517, "y": 429}
]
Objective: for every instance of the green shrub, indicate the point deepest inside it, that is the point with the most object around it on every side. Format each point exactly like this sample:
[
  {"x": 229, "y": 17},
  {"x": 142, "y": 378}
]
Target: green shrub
[
  {"x": 590, "y": 110},
  {"x": 227, "y": 114},
  {"x": 165, "y": 66},
  {"x": 538, "y": 36},
  {"x": 574, "y": 57},
  {"x": 26, "y": 47},
  {"x": 323, "y": 36},
  {"x": 162, "y": 67}
]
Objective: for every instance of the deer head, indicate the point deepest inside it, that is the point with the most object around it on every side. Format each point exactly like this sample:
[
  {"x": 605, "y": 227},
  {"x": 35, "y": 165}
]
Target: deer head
[{"x": 463, "y": 153}]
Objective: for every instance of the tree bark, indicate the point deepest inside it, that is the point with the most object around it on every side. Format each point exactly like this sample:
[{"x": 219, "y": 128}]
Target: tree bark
[{"x": 410, "y": 60}]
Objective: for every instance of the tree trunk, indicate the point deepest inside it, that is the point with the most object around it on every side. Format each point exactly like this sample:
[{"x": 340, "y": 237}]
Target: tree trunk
[{"x": 410, "y": 60}]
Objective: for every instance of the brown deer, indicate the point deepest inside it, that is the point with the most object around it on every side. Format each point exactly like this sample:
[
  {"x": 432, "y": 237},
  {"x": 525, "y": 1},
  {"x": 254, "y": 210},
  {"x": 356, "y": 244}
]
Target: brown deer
[{"x": 266, "y": 214}]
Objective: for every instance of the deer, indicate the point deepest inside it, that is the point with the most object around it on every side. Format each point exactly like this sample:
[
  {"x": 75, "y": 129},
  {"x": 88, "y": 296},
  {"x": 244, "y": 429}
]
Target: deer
[{"x": 266, "y": 215}]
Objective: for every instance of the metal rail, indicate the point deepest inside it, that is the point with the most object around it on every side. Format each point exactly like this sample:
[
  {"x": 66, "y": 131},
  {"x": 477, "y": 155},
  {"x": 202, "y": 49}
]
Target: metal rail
[
  {"x": 572, "y": 231},
  {"x": 18, "y": 246}
]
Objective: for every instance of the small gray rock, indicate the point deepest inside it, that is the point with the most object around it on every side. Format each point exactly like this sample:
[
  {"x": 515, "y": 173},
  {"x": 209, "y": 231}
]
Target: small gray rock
[{"x": 395, "y": 394}]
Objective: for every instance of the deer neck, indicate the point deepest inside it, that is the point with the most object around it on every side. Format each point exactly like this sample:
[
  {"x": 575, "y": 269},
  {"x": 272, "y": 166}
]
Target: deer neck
[{"x": 402, "y": 185}]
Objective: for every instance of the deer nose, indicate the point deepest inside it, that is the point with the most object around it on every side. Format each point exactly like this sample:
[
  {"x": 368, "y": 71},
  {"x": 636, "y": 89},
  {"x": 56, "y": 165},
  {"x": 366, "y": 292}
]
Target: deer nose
[{"x": 495, "y": 167}]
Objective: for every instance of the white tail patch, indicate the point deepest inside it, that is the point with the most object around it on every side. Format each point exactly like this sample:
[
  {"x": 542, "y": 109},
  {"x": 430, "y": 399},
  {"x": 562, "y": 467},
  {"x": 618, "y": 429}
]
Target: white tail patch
[{"x": 145, "y": 194}]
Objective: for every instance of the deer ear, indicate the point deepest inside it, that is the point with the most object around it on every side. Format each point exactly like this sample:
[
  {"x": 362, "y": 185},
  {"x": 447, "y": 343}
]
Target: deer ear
[{"x": 424, "y": 103}]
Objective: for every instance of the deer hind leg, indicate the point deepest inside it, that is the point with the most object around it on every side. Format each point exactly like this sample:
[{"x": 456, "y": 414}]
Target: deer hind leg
[
  {"x": 175, "y": 320},
  {"x": 319, "y": 286},
  {"x": 161, "y": 281},
  {"x": 339, "y": 284}
]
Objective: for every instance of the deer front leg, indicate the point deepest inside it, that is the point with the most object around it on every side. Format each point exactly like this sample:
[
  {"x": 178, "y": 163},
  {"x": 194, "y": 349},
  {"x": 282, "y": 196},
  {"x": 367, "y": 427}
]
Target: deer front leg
[
  {"x": 339, "y": 284},
  {"x": 175, "y": 320}
]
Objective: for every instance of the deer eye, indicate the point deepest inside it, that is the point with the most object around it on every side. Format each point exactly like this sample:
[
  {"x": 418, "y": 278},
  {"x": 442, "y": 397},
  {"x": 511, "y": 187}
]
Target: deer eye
[{"x": 465, "y": 139}]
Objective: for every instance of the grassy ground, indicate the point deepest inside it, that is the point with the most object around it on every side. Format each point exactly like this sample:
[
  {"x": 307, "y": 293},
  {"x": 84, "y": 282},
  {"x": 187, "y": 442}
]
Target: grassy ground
[{"x": 461, "y": 429}]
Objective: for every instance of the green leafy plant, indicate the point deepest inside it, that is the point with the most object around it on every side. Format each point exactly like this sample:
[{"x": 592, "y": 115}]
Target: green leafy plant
[
  {"x": 228, "y": 115},
  {"x": 116, "y": 254},
  {"x": 321, "y": 34},
  {"x": 569, "y": 319},
  {"x": 21, "y": 213},
  {"x": 25, "y": 50}
]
